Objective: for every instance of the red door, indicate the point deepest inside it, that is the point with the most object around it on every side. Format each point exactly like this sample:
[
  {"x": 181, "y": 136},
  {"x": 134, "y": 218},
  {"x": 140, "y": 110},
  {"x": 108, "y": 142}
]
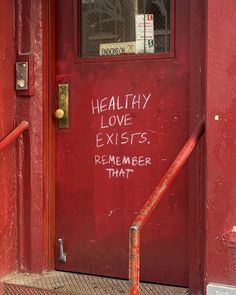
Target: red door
[{"x": 126, "y": 64}]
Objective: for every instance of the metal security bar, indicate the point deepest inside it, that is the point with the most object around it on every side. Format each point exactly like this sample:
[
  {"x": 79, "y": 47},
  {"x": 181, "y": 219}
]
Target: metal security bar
[
  {"x": 23, "y": 126},
  {"x": 117, "y": 22},
  {"x": 152, "y": 202}
]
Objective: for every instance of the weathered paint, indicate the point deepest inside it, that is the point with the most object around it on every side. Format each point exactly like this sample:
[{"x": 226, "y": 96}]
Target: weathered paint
[
  {"x": 134, "y": 260},
  {"x": 29, "y": 39},
  {"x": 220, "y": 246},
  {"x": 8, "y": 238},
  {"x": 27, "y": 15},
  {"x": 220, "y": 206},
  {"x": 196, "y": 162},
  {"x": 106, "y": 214}
]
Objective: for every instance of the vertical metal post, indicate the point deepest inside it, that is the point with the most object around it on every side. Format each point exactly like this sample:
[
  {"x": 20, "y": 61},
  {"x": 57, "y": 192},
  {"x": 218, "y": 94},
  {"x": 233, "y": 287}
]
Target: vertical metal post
[
  {"x": 133, "y": 11},
  {"x": 135, "y": 7},
  {"x": 152, "y": 202},
  {"x": 134, "y": 260}
]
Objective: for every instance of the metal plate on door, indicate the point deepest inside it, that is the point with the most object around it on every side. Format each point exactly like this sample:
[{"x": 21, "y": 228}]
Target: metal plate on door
[{"x": 62, "y": 113}]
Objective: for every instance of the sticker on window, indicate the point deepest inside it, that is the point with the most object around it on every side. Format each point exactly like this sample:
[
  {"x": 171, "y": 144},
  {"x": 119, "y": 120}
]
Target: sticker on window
[
  {"x": 144, "y": 31},
  {"x": 118, "y": 48}
]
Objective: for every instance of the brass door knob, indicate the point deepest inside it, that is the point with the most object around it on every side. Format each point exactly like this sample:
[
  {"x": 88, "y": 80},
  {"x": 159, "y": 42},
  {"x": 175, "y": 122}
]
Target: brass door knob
[{"x": 59, "y": 114}]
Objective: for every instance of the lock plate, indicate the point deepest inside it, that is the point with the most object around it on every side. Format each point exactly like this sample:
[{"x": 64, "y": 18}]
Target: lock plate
[{"x": 63, "y": 104}]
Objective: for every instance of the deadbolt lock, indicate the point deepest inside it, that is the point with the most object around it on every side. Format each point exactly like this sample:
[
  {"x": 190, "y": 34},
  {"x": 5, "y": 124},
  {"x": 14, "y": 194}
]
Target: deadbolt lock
[{"x": 62, "y": 113}]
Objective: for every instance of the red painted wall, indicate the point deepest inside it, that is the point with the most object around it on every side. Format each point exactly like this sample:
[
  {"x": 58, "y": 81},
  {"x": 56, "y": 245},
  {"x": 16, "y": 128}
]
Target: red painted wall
[
  {"x": 220, "y": 244},
  {"x": 29, "y": 40},
  {"x": 21, "y": 247},
  {"x": 220, "y": 248},
  {"x": 8, "y": 251}
]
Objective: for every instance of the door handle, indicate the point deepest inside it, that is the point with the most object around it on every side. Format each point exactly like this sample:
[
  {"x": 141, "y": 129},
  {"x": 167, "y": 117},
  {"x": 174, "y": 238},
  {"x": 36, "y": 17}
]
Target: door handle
[
  {"x": 59, "y": 114},
  {"x": 62, "y": 113}
]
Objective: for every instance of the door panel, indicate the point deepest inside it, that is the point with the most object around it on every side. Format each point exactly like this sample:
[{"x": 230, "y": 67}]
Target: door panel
[{"x": 129, "y": 117}]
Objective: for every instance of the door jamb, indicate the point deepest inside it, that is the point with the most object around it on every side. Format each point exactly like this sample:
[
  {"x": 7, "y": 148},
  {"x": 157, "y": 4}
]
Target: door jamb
[{"x": 49, "y": 133}]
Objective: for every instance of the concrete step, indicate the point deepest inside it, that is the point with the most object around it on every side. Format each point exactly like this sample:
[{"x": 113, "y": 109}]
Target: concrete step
[{"x": 63, "y": 283}]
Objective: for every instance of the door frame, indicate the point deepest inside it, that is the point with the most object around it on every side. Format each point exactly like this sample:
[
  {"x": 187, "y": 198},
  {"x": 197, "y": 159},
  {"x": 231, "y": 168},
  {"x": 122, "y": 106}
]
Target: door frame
[{"x": 196, "y": 202}]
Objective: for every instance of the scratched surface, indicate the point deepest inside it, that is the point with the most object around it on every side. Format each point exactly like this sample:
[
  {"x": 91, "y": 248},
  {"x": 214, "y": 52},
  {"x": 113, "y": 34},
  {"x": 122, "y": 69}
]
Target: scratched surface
[
  {"x": 67, "y": 283},
  {"x": 128, "y": 121},
  {"x": 220, "y": 251},
  {"x": 8, "y": 247}
]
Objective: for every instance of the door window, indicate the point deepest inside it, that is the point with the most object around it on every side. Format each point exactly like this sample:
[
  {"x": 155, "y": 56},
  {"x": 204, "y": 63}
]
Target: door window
[{"x": 124, "y": 27}]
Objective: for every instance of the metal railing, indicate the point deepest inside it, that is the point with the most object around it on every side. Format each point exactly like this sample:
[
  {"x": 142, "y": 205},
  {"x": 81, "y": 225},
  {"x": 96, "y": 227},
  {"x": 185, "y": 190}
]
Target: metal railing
[
  {"x": 4, "y": 143},
  {"x": 152, "y": 202}
]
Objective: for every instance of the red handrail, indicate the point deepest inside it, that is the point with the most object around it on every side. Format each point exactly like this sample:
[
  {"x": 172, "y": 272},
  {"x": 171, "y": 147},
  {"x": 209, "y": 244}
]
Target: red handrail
[
  {"x": 23, "y": 126},
  {"x": 150, "y": 205}
]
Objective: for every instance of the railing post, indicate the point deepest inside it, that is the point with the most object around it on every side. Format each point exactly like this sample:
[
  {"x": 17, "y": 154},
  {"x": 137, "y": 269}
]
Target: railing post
[
  {"x": 5, "y": 142},
  {"x": 134, "y": 260},
  {"x": 152, "y": 202}
]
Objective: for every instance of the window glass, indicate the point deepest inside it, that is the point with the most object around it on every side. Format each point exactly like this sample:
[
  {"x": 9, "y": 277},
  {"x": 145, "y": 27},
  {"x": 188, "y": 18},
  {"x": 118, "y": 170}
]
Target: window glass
[{"x": 117, "y": 27}]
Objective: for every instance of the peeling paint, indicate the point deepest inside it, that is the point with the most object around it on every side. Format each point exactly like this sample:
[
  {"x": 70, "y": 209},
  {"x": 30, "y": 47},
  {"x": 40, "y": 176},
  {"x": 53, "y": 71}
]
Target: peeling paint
[
  {"x": 113, "y": 211},
  {"x": 8, "y": 251}
]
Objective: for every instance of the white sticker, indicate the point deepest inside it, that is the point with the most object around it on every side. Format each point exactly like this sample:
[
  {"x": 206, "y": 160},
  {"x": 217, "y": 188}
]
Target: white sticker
[
  {"x": 144, "y": 29},
  {"x": 118, "y": 48}
]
